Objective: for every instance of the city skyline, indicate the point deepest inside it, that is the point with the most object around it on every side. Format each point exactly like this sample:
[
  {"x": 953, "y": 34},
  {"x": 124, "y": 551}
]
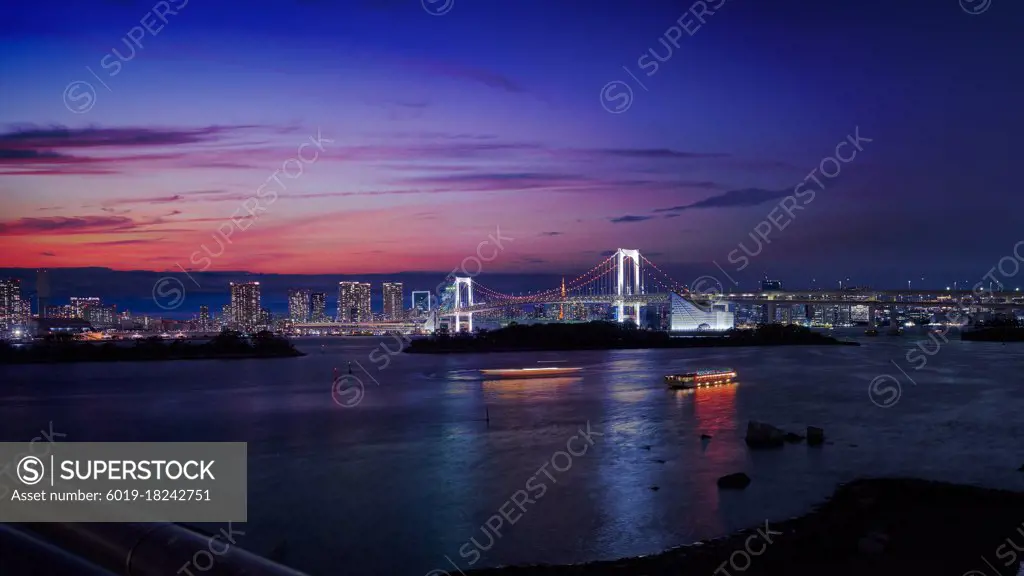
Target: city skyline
[{"x": 418, "y": 159}]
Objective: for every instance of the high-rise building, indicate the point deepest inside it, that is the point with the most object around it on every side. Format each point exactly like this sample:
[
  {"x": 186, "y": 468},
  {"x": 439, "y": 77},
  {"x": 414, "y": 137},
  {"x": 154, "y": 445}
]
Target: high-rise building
[
  {"x": 245, "y": 305},
  {"x": 100, "y": 316},
  {"x": 421, "y": 301},
  {"x": 318, "y": 302},
  {"x": 65, "y": 311},
  {"x": 299, "y": 305},
  {"x": 26, "y": 311},
  {"x": 393, "y": 301},
  {"x": 79, "y": 305},
  {"x": 204, "y": 317},
  {"x": 10, "y": 303},
  {"x": 42, "y": 291},
  {"x": 354, "y": 302}
]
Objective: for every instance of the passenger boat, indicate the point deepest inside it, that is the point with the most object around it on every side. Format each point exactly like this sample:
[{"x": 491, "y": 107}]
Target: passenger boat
[
  {"x": 871, "y": 332},
  {"x": 541, "y": 372},
  {"x": 700, "y": 379}
]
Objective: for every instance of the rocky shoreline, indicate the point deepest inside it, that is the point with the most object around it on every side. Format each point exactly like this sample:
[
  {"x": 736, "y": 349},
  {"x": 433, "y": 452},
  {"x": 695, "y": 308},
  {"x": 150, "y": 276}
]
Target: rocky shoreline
[{"x": 891, "y": 526}]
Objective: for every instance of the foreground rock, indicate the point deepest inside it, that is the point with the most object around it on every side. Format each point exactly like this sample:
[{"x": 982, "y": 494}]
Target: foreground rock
[
  {"x": 761, "y": 435},
  {"x": 877, "y": 527},
  {"x": 737, "y": 481},
  {"x": 815, "y": 436},
  {"x": 793, "y": 438}
]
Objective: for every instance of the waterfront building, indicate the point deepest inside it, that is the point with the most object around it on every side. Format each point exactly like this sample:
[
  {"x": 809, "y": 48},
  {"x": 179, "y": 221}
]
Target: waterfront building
[
  {"x": 101, "y": 317},
  {"x": 393, "y": 301},
  {"x": 318, "y": 303},
  {"x": 42, "y": 291},
  {"x": 10, "y": 303},
  {"x": 79, "y": 305},
  {"x": 204, "y": 318},
  {"x": 245, "y": 305},
  {"x": 299, "y": 305},
  {"x": 354, "y": 302},
  {"x": 690, "y": 317},
  {"x": 421, "y": 302}
]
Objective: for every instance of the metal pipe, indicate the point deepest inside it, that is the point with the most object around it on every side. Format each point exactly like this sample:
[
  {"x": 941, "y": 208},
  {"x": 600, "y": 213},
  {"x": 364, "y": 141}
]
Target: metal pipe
[
  {"x": 23, "y": 554},
  {"x": 157, "y": 549}
]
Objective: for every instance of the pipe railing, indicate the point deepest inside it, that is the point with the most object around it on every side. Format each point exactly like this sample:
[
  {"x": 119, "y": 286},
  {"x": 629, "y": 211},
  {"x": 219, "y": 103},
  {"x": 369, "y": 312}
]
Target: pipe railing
[{"x": 154, "y": 549}]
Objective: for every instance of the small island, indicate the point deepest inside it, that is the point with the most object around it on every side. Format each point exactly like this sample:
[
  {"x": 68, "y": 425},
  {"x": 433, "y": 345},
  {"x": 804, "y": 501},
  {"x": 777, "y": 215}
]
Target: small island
[
  {"x": 997, "y": 330},
  {"x": 602, "y": 335},
  {"x": 226, "y": 345}
]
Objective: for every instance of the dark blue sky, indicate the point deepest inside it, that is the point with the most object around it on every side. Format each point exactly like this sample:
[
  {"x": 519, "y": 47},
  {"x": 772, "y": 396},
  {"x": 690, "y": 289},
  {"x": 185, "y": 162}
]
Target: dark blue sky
[{"x": 493, "y": 114}]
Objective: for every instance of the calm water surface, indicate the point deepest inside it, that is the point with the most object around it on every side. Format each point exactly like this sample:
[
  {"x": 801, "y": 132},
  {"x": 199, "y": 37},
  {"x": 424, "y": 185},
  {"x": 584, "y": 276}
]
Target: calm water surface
[{"x": 404, "y": 479}]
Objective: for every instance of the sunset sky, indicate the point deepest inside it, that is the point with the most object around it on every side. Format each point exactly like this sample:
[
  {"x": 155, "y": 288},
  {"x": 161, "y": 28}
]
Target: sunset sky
[{"x": 437, "y": 130}]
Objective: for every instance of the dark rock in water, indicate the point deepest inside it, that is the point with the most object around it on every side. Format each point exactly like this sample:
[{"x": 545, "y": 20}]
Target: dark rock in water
[
  {"x": 853, "y": 446},
  {"x": 793, "y": 437},
  {"x": 645, "y": 447},
  {"x": 708, "y": 437},
  {"x": 655, "y": 488},
  {"x": 658, "y": 460},
  {"x": 761, "y": 435},
  {"x": 815, "y": 436},
  {"x": 737, "y": 481}
]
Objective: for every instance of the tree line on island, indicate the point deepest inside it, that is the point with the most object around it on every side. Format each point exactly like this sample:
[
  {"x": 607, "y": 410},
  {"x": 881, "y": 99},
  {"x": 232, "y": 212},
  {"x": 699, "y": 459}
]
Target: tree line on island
[{"x": 226, "y": 345}]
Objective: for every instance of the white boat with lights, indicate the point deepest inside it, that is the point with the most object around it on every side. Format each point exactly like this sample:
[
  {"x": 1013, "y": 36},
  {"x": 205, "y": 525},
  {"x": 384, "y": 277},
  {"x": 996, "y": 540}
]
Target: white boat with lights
[
  {"x": 540, "y": 372},
  {"x": 700, "y": 379}
]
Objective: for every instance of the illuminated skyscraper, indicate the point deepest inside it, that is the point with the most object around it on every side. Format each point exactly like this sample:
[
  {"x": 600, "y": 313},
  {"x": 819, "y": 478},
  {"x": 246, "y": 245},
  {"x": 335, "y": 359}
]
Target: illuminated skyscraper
[
  {"x": 393, "y": 301},
  {"x": 245, "y": 305},
  {"x": 10, "y": 303},
  {"x": 421, "y": 301},
  {"x": 78, "y": 305},
  {"x": 354, "y": 302},
  {"x": 319, "y": 305},
  {"x": 204, "y": 317},
  {"x": 42, "y": 291},
  {"x": 298, "y": 305},
  {"x": 100, "y": 316}
]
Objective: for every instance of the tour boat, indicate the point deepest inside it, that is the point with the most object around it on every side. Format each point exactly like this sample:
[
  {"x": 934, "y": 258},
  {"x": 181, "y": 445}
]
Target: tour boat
[
  {"x": 871, "y": 332},
  {"x": 700, "y": 379},
  {"x": 542, "y": 372}
]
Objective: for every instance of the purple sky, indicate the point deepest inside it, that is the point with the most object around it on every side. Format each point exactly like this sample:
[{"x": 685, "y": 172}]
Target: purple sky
[{"x": 437, "y": 130}]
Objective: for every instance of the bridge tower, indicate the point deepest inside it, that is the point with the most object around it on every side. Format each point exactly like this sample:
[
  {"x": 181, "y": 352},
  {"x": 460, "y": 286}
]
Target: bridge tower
[
  {"x": 561, "y": 310},
  {"x": 459, "y": 282},
  {"x": 620, "y": 289}
]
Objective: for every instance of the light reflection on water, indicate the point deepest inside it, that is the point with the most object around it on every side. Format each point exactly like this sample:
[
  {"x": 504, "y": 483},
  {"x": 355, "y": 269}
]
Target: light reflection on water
[{"x": 392, "y": 485}]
